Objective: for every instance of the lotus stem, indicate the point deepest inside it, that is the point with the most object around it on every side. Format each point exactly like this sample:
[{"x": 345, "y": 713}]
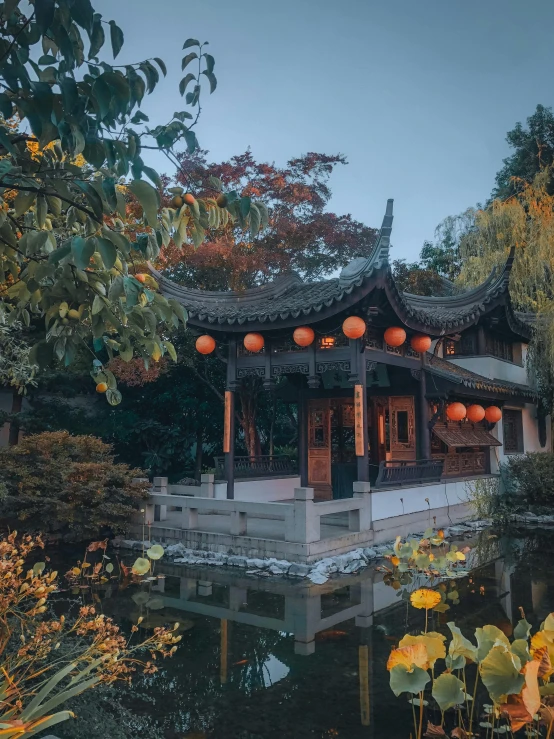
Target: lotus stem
[
  {"x": 413, "y": 713},
  {"x": 474, "y": 698},
  {"x": 420, "y": 711}
]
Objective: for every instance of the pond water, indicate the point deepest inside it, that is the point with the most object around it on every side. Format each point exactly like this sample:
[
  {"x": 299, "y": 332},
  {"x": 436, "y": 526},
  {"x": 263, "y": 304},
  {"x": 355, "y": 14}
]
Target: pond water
[{"x": 275, "y": 658}]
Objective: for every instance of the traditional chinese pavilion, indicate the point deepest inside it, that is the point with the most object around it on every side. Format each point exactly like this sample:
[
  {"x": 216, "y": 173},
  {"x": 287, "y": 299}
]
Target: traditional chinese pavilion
[{"x": 392, "y": 389}]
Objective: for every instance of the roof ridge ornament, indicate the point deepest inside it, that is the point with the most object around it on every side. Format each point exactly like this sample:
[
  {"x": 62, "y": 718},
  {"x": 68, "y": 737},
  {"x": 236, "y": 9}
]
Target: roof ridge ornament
[{"x": 358, "y": 268}]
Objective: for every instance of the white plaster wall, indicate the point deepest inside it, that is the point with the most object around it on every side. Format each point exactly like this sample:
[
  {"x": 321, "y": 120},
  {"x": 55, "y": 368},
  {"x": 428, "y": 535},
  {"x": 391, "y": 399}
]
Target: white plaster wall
[
  {"x": 391, "y": 503},
  {"x": 260, "y": 491},
  {"x": 493, "y": 368},
  {"x": 531, "y": 441}
]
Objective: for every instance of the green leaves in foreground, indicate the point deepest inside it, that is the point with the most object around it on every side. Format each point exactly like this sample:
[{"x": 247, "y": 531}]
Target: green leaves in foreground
[
  {"x": 500, "y": 672},
  {"x": 406, "y": 680}
]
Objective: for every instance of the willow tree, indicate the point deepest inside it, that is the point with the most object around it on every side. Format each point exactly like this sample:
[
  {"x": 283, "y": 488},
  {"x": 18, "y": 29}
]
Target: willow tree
[{"x": 524, "y": 221}]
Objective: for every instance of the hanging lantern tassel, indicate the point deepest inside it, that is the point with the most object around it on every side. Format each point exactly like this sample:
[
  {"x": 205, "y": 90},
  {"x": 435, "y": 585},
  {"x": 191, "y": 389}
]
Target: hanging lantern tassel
[
  {"x": 456, "y": 411},
  {"x": 205, "y": 344},
  {"x": 493, "y": 414},
  {"x": 254, "y": 342},
  {"x": 395, "y": 336}
]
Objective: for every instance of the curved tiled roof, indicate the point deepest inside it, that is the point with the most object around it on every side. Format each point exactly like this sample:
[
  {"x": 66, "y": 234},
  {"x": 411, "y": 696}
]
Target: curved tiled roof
[{"x": 288, "y": 301}]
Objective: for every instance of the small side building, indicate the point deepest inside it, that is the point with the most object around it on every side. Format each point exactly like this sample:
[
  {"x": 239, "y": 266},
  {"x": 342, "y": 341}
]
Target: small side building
[{"x": 376, "y": 411}]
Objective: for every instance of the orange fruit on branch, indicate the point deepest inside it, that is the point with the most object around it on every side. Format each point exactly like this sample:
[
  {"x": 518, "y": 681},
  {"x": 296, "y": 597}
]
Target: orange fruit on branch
[
  {"x": 177, "y": 201},
  {"x": 222, "y": 200},
  {"x": 141, "y": 277},
  {"x": 189, "y": 198}
]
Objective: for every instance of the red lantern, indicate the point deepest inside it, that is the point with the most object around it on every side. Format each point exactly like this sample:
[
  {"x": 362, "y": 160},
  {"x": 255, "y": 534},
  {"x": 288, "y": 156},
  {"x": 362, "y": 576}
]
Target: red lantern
[
  {"x": 493, "y": 414},
  {"x": 395, "y": 336},
  {"x": 475, "y": 413},
  {"x": 303, "y": 336},
  {"x": 205, "y": 344},
  {"x": 420, "y": 343},
  {"x": 254, "y": 342},
  {"x": 354, "y": 327},
  {"x": 456, "y": 411}
]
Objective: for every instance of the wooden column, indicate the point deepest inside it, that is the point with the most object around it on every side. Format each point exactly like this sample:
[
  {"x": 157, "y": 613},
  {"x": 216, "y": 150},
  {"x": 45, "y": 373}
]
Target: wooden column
[
  {"x": 424, "y": 432},
  {"x": 481, "y": 341},
  {"x": 302, "y": 438},
  {"x": 229, "y": 420},
  {"x": 358, "y": 376}
]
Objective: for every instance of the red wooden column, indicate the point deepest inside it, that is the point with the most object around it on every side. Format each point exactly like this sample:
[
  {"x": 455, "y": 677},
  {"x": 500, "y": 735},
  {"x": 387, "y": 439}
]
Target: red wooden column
[{"x": 229, "y": 419}]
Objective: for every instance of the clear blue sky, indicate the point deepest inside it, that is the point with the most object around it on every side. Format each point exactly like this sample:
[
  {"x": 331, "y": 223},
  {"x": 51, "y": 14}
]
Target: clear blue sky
[{"x": 418, "y": 94}]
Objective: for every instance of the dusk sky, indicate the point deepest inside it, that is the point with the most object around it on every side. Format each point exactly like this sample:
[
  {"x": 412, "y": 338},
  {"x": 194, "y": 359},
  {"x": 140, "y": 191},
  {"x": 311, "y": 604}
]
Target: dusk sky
[{"x": 417, "y": 95}]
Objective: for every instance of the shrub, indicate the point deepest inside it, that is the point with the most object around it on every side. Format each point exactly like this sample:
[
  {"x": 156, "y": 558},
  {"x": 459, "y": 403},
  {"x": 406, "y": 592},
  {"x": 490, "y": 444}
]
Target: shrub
[
  {"x": 532, "y": 476},
  {"x": 67, "y": 485}
]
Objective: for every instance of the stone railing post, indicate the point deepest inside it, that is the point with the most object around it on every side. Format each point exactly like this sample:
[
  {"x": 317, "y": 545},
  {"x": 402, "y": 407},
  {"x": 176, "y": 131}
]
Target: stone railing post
[
  {"x": 159, "y": 486},
  {"x": 190, "y": 516},
  {"x": 364, "y": 516},
  {"x": 238, "y": 523},
  {"x": 302, "y": 525},
  {"x": 207, "y": 487}
]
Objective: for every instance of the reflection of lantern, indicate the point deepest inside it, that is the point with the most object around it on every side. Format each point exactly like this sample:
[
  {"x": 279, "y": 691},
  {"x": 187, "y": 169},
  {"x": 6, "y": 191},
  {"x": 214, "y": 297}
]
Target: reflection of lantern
[
  {"x": 303, "y": 335},
  {"x": 475, "y": 413},
  {"x": 493, "y": 414},
  {"x": 254, "y": 342},
  {"x": 205, "y": 344},
  {"x": 456, "y": 411},
  {"x": 395, "y": 336},
  {"x": 420, "y": 343},
  {"x": 353, "y": 327}
]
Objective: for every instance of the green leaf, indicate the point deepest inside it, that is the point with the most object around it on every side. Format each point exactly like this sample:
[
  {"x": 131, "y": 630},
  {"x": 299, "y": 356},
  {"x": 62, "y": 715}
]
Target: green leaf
[
  {"x": 149, "y": 199},
  {"x": 448, "y": 691},
  {"x": 210, "y": 62},
  {"x": 486, "y": 638},
  {"x": 500, "y": 672},
  {"x": 83, "y": 14},
  {"x": 161, "y": 65},
  {"x": 116, "y": 37},
  {"x": 522, "y": 629},
  {"x": 183, "y": 84},
  {"x": 109, "y": 567},
  {"x": 97, "y": 305},
  {"x": 179, "y": 310},
  {"x": 170, "y": 350},
  {"x": 245, "y": 210},
  {"x": 41, "y": 354},
  {"x": 82, "y": 251},
  {"x": 44, "y": 13},
  {"x": 520, "y": 648},
  {"x": 255, "y": 220},
  {"x": 153, "y": 175},
  {"x": 118, "y": 239},
  {"x": 191, "y": 42},
  {"x": 188, "y": 59},
  {"x": 58, "y": 254},
  {"x": 113, "y": 397},
  {"x": 107, "y": 250},
  {"x": 97, "y": 36},
  {"x": 404, "y": 681},
  {"x": 191, "y": 140},
  {"x": 212, "y": 80},
  {"x": 23, "y": 201}
]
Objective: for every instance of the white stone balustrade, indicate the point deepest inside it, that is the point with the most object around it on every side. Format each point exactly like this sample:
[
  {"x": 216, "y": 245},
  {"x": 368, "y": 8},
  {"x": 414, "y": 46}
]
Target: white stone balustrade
[{"x": 301, "y": 517}]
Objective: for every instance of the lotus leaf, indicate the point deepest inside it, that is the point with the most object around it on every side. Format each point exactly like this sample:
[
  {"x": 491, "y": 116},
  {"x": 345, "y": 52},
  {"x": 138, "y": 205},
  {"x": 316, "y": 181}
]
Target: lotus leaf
[
  {"x": 521, "y": 708},
  {"x": 109, "y": 567},
  {"x": 422, "y": 561},
  {"x": 38, "y": 568},
  {"x": 448, "y": 691},
  {"x": 521, "y": 648},
  {"x": 411, "y": 656},
  {"x": 500, "y": 672},
  {"x": 522, "y": 629},
  {"x": 460, "y": 646},
  {"x": 155, "y": 604},
  {"x": 455, "y": 663},
  {"x": 141, "y": 566},
  {"x": 432, "y": 641},
  {"x": 542, "y": 656},
  {"x": 547, "y": 689},
  {"x": 487, "y": 638},
  {"x": 155, "y": 552},
  {"x": 403, "y": 680},
  {"x": 549, "y": 622}
]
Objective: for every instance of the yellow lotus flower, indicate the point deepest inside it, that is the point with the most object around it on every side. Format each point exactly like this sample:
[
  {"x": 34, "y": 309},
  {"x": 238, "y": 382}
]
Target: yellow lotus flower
[
  {"x": 395, "y": 561},
  {"x": 425, "y": 598},
  {"x": 411, "y": 656},
  {"x": 432, "y": 641}
]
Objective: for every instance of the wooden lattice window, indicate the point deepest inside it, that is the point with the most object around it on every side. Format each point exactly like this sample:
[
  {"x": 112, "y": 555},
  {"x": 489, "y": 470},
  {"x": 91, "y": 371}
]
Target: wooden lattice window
[{"x": 512, "y": 425}]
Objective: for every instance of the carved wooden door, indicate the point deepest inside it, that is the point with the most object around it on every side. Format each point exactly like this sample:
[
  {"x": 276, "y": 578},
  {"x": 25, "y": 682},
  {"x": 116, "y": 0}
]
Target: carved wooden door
[
  {"x": 402, "y": 428},
  {"x": 319, "y": 447}
]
